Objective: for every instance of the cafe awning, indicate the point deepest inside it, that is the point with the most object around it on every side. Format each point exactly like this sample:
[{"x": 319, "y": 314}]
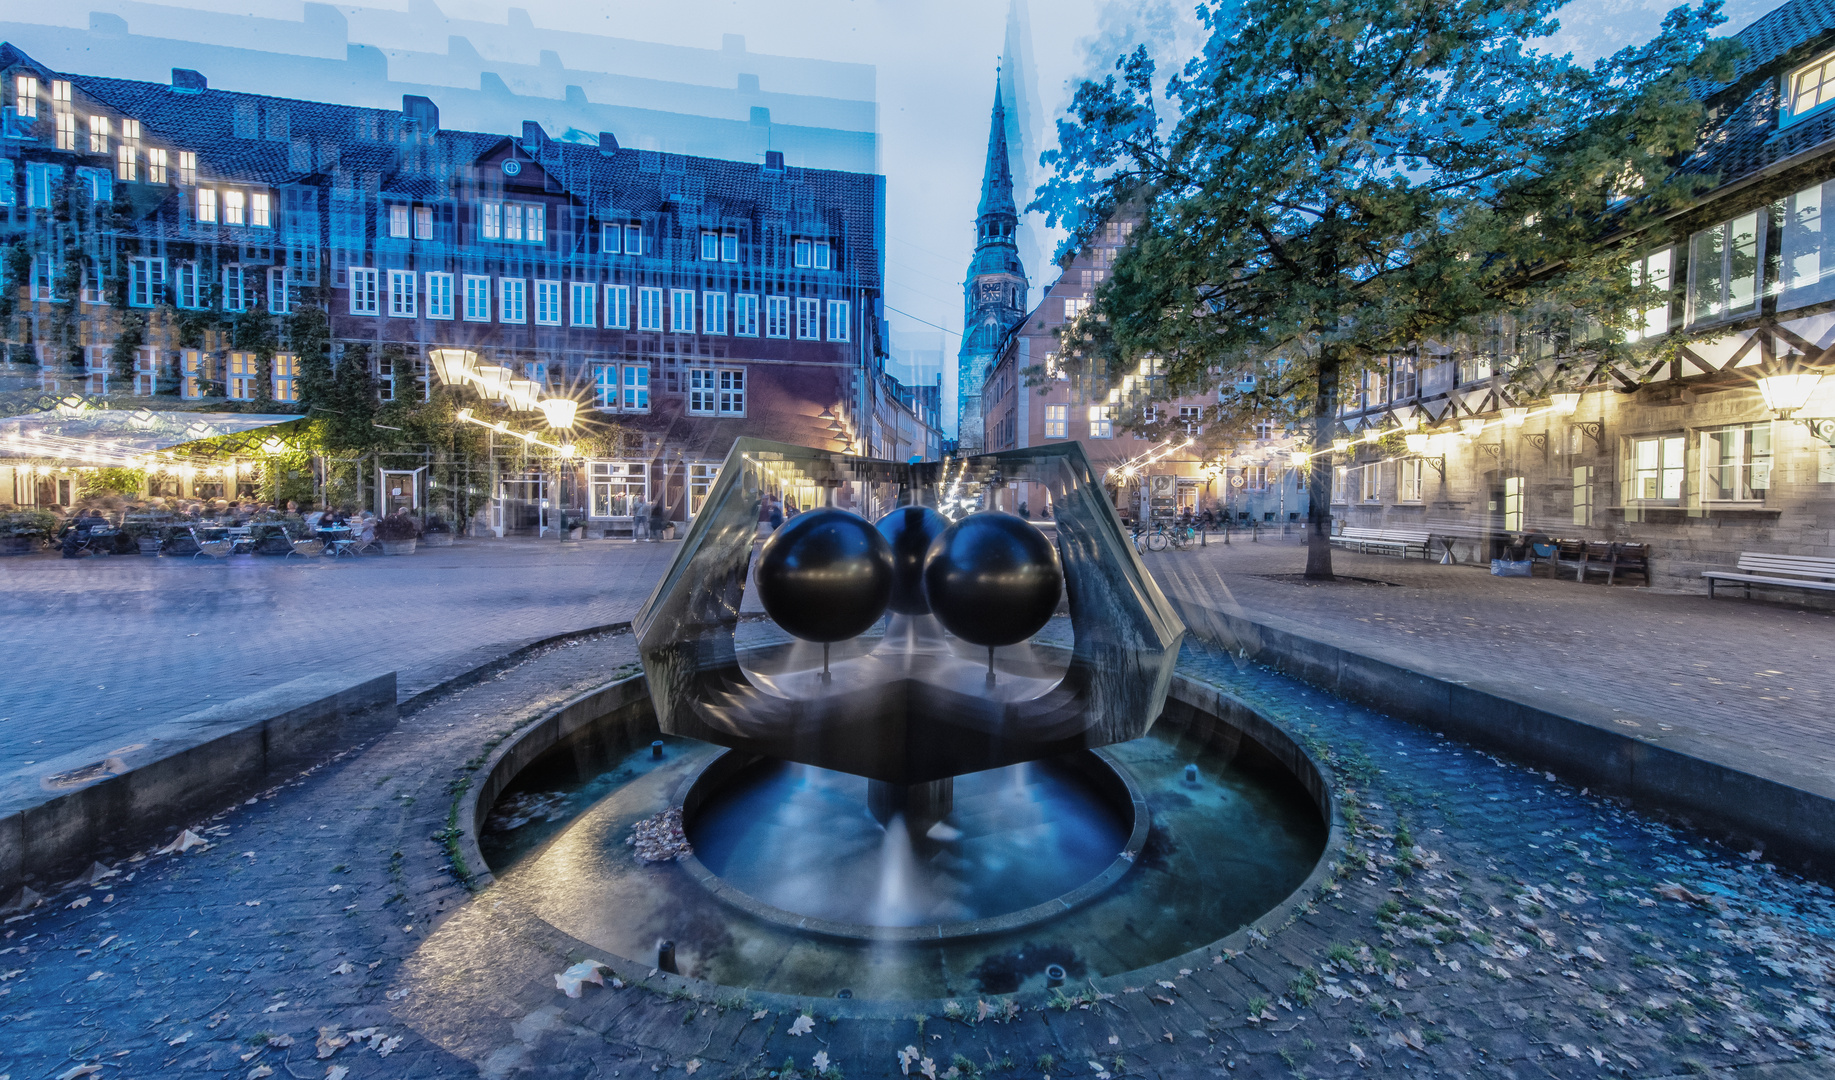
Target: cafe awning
[{"x": 125, "y": 438}]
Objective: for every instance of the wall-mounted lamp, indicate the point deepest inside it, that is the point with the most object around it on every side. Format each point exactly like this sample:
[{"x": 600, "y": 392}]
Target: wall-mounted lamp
[
  {"x": 1785, "y": 393},
  {"x": 1565, "y": 402},
  {"x": 453, "y": 366},
  {"x": 1514, "y": 415},
  {"x": 1471, "y": 427}
]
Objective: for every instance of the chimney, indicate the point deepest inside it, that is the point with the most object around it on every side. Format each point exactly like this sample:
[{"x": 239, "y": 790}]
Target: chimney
[
  {"x": 774, "y": 161},
  {"x": 532, "y": 138},
  {"x": 422, "y": 111},
  {"x": 187, "y": 81},
  {"x": 608, "y": 143}
]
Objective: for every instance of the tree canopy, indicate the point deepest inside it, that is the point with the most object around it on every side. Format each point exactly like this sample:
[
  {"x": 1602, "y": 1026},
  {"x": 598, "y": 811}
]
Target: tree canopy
[{"x": 1346, "y": 179}]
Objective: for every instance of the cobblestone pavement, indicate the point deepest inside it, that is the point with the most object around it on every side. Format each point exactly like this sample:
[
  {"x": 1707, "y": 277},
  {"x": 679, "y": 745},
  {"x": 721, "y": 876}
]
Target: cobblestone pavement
[
  {"x": 1488, "y": 921},
  {"x": 1753, "y": 677},
  {"x": 101, "y": 646}
]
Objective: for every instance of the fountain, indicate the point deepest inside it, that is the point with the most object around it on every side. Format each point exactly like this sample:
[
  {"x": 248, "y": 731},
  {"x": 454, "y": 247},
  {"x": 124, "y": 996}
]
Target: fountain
[{"x": 911, "y": 791}]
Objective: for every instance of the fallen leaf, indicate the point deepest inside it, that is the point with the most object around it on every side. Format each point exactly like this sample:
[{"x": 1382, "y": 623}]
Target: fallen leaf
[
  {"x": 281, "y": 1041},
  {"x": 389, "y": 1045},
  {"x": 251, "y": 903},
  {"x": 1357, "y": 1053},
  {"x": 1114, "y": 1040},
  {"x": 344, "y": 969},
  {"x": 694, "y": 1065},
  {"x": 276, "y": 1007},
  {"x": 182, "y": 843},
  {"x": 79, "y": 902},
  {"x": 1162, "y": 997},
  {"x": 1598, "y": 1058},
  {"x": 79, "y": 1070},
  {"x": 802, "y": 1025},
  {"x": 180, "y": 1041},
  {"x": 259, "y": 1071},
  {"x": 1570, "y": 1050},
  {"x": 1166, "y": 984},
  {"x": 334, "y": 888},
  {"x": 93, "y": 976},
  {"x": 330, "y": 1042},
  {"x": 820, "y": 1061},
  {"x": 336, "y": 1072},
  {"x": 761, "y": 1014},
  {"x": 397, "y": 995}
]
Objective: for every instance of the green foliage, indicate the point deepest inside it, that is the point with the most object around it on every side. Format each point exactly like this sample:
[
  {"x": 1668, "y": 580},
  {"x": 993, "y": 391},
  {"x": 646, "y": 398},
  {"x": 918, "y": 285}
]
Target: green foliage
[
  {"x": 1347, "y": 179},
  {"x": 38, "y": 524},
  {"x": 131, "y": 334},
  {"x": 114, "y": 482}
]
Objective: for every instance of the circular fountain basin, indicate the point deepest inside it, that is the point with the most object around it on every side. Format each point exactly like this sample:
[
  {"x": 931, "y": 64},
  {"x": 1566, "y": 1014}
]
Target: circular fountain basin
[
  {"x": 799, "y": 846},
  {"x": 1241, "y": 844}
]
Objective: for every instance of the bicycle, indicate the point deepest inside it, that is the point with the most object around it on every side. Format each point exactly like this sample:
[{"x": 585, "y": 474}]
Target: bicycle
[{"x": 1182, "y": 536}]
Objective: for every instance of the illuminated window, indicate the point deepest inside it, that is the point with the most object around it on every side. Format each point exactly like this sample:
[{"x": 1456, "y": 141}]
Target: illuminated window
[
  {"x": 207, "y": 204},
  {"x": 1057, "y": 421},
  {"x": 235, "y": 208},
  {"x": 260, "y": 213},
  {"x": 66, "y": 131},
  {"x": 1809, "y": 88},
  {"x": 1655, "y": 469},
  {"x": 25, "y": 95},
  {"x": 127, "y": 162},
  {"x": 285, "y": 367},
  {"x": 243, "y": 369},
  {"x": 187, "y": 168},
  {"x": 98, "y": 134},
  {"x": 1102, "y": 421},
  {"x": 156, "y": 166}
]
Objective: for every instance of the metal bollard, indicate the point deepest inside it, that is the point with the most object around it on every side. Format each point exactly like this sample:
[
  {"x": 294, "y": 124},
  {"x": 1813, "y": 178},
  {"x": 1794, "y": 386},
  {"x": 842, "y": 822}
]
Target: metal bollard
[
  {"x": 1054, "y": 975},
  {"x": 656, "y": 748},
  {"x": 665, "y": 958}
]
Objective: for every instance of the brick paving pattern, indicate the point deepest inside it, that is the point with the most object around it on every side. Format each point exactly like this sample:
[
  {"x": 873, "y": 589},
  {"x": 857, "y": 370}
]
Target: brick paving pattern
[
  {"x": 1487, "y": 921},
  {"x": 101, "y": 646},
  {"x": 1750, "y": 676}
]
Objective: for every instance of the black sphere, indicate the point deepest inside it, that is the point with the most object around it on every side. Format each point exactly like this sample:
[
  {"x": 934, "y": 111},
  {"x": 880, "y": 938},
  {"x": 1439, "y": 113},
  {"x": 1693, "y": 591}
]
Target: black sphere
[
  {"x": 992, "y": 579},
  {"x": 825, "y": 575},
  {"x": 910, "y": 530}
]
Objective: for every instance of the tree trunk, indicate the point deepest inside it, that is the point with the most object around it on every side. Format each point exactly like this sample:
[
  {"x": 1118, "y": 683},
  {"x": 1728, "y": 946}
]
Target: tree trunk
[{"x": 1319, "y": 486}]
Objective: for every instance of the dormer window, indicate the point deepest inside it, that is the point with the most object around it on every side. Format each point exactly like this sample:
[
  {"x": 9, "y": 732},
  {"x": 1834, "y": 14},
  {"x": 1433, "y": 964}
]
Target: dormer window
[
  {"x": 60, "y": 94},
  {"x": 25, "y": 95},
  {"x": 1808, "y": 89}
]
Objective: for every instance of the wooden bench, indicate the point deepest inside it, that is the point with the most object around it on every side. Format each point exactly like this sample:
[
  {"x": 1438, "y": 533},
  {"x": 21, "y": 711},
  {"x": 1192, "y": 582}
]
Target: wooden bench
[
  {"x": 1782, "y": 571},
  {"x": 1390, "y": 541}
]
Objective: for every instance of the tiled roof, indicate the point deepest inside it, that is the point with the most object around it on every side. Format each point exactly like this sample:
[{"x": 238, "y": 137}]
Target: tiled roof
[
  {"x": 1746, "y": 138},
  {"x": 1777, "y": 32}
]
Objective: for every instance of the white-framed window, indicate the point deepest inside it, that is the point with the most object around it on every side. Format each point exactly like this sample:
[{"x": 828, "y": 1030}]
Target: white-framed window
[
  {"x": 439, "y": 295},
  {"x": 701, "y": 477},
  {"x": 821, "y": 255},
  {"x": 145, "y": 277},
  {"x": 99, "y": 182},
  {"x": 190, "y": 286},
  {"x": 1583, "y": 494},
  {"x": 512, "y": 300},
  {"x": 193, "y": 373},
  {"x": 280, "y": 291},
  {"x": 713, "y": 312},
  {"x": 808, "y": 318},
  {"x": 1073, "y": 307},
  {"x": 605, "y": 386},
  {"x": 547, "y": 302},
  {"x": 1255, "y": 478},
  {"x": 1191, "y": 419},
  {"x": 187, "y": 167},
  {"x": 44, "y": 277},
  {"x": 633, "y": 239},
  {"x": 617, "y": 487},
  {"x": 732, "y": 391},
  {"x": 284, "y": 369},
  {"x": 681, "y": 311},
  {"x": 399, "y": 222},
  {"x": 401, "y": 294},
  {"x": 1370, "y": 482},
  {"x": 25, "y": 95},
  {"x": 745, "y": 315},
  {"x": 840, "y": 320},
  {"x": 207, "y": 205},
  {"x": 1736, "y": 463},
  {"x": 423, "y": 223},
  {"x": 581, "y": 303},
  {"x": 60, "y": 95},
  {"x": 701, "y": 391},
  {"x": 777, "y": 316},
  {"x": 477, "y": 298},
  {"x": 65, "y": 123},
  {"x": 92, "y": 282},
  {"x": 799, "y": 254},
  {"x": 364, "y": 289},
  {"x": 1409, "y": 476},
  {"x": 617, "y": 307},
  {"x": 1102, "y": 421},
  {"x": 511, "y": 222},
  {"x": 235, "y": 208},
  {"x": 382, "y": 369},
  {"x": 40, "y": 182},
  {"x": 146, "y": 370},
  {"x": 1723, "y": 269},
  {"x": 729, "y": 247},
  {"x": 98, "y": 134},
  {"x": 260, "y": 210},
  {"x": 611, "y": 238},
  {"x": 1057, "y": 421},
  {"x": 243, "y": 369},
  {"x": 1655, "y": 468},
  {"x": 710, "y": 246},
  {"x": 1513, "y": 504},
  {"x": 649, "y": 309},
  {"x": 1807, "y": 269},
  {"x": 1808, "y": 89},
  {"x": 156, "y": 165},
  {"x": 127, "y": 162},
  {"x": 636, "y": 388},
  {"x": 235, "y": 289},
  {"x": 1652, "y": 269}
]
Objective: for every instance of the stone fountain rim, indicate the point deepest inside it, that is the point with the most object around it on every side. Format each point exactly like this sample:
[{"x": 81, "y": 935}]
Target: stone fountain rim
[{"x": 731, "y": 895}]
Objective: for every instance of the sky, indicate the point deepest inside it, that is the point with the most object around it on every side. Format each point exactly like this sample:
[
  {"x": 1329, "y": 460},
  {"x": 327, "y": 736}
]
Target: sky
[{"x": 935, "y": 67}]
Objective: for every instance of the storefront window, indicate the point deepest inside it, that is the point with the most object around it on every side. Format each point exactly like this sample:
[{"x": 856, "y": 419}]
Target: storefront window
[
  {"x": 700, "y": 481},
  {"x": 617, "y": 487}
]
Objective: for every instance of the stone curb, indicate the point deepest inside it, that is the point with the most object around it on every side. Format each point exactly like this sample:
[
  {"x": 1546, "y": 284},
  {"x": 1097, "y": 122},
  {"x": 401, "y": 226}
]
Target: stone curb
[
  {"x": 1680, "y": 775},
  {"x": 181, "y": 769}
]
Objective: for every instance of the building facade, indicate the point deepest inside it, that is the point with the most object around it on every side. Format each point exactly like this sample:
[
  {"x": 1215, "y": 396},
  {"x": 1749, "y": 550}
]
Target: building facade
[
  {"x": 995, "y": 292},
  {"x": 688, "y": 300},
  {"x": 1678, "y": 447}
]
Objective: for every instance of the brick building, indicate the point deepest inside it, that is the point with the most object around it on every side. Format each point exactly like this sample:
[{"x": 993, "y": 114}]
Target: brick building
[{"x": 691, "y": 300}]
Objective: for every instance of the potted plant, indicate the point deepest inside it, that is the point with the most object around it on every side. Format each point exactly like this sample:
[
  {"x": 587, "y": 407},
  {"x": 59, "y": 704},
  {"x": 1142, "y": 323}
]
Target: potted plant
[
  {"x": 22, "y": 531},
  {"x": 437, "y": 533},
  {"x": 397, "y": 533}
]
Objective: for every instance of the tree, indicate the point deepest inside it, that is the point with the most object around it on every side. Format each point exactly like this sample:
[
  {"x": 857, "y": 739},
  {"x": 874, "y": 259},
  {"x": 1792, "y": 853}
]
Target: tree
[{"x": 1351, "y": 178}]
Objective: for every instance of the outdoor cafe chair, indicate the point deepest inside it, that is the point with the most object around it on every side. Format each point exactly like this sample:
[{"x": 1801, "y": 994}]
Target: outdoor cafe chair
[
  {"x": 216, "y": 549},
  {"x": 310, "y": 549}
]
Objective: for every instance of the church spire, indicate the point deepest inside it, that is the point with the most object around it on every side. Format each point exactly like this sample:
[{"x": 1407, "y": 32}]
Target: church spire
[{"x": 997, "y": 177}]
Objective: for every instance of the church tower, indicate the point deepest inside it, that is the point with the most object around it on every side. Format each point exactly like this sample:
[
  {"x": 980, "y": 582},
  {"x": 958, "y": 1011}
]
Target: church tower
[{"x": 994, "y": 296}]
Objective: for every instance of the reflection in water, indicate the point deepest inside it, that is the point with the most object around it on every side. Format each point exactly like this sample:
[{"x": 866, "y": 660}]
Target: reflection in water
[{"x": 801, "y": 839}]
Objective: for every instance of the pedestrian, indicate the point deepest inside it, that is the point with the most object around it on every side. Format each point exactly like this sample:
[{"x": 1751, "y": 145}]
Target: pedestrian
[
  {"x": 1025, "y": 511},
  {"x": 776, "y": 511},
  {"x": 640, "y": 520},
  {"x": 659, "y": 520}
]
